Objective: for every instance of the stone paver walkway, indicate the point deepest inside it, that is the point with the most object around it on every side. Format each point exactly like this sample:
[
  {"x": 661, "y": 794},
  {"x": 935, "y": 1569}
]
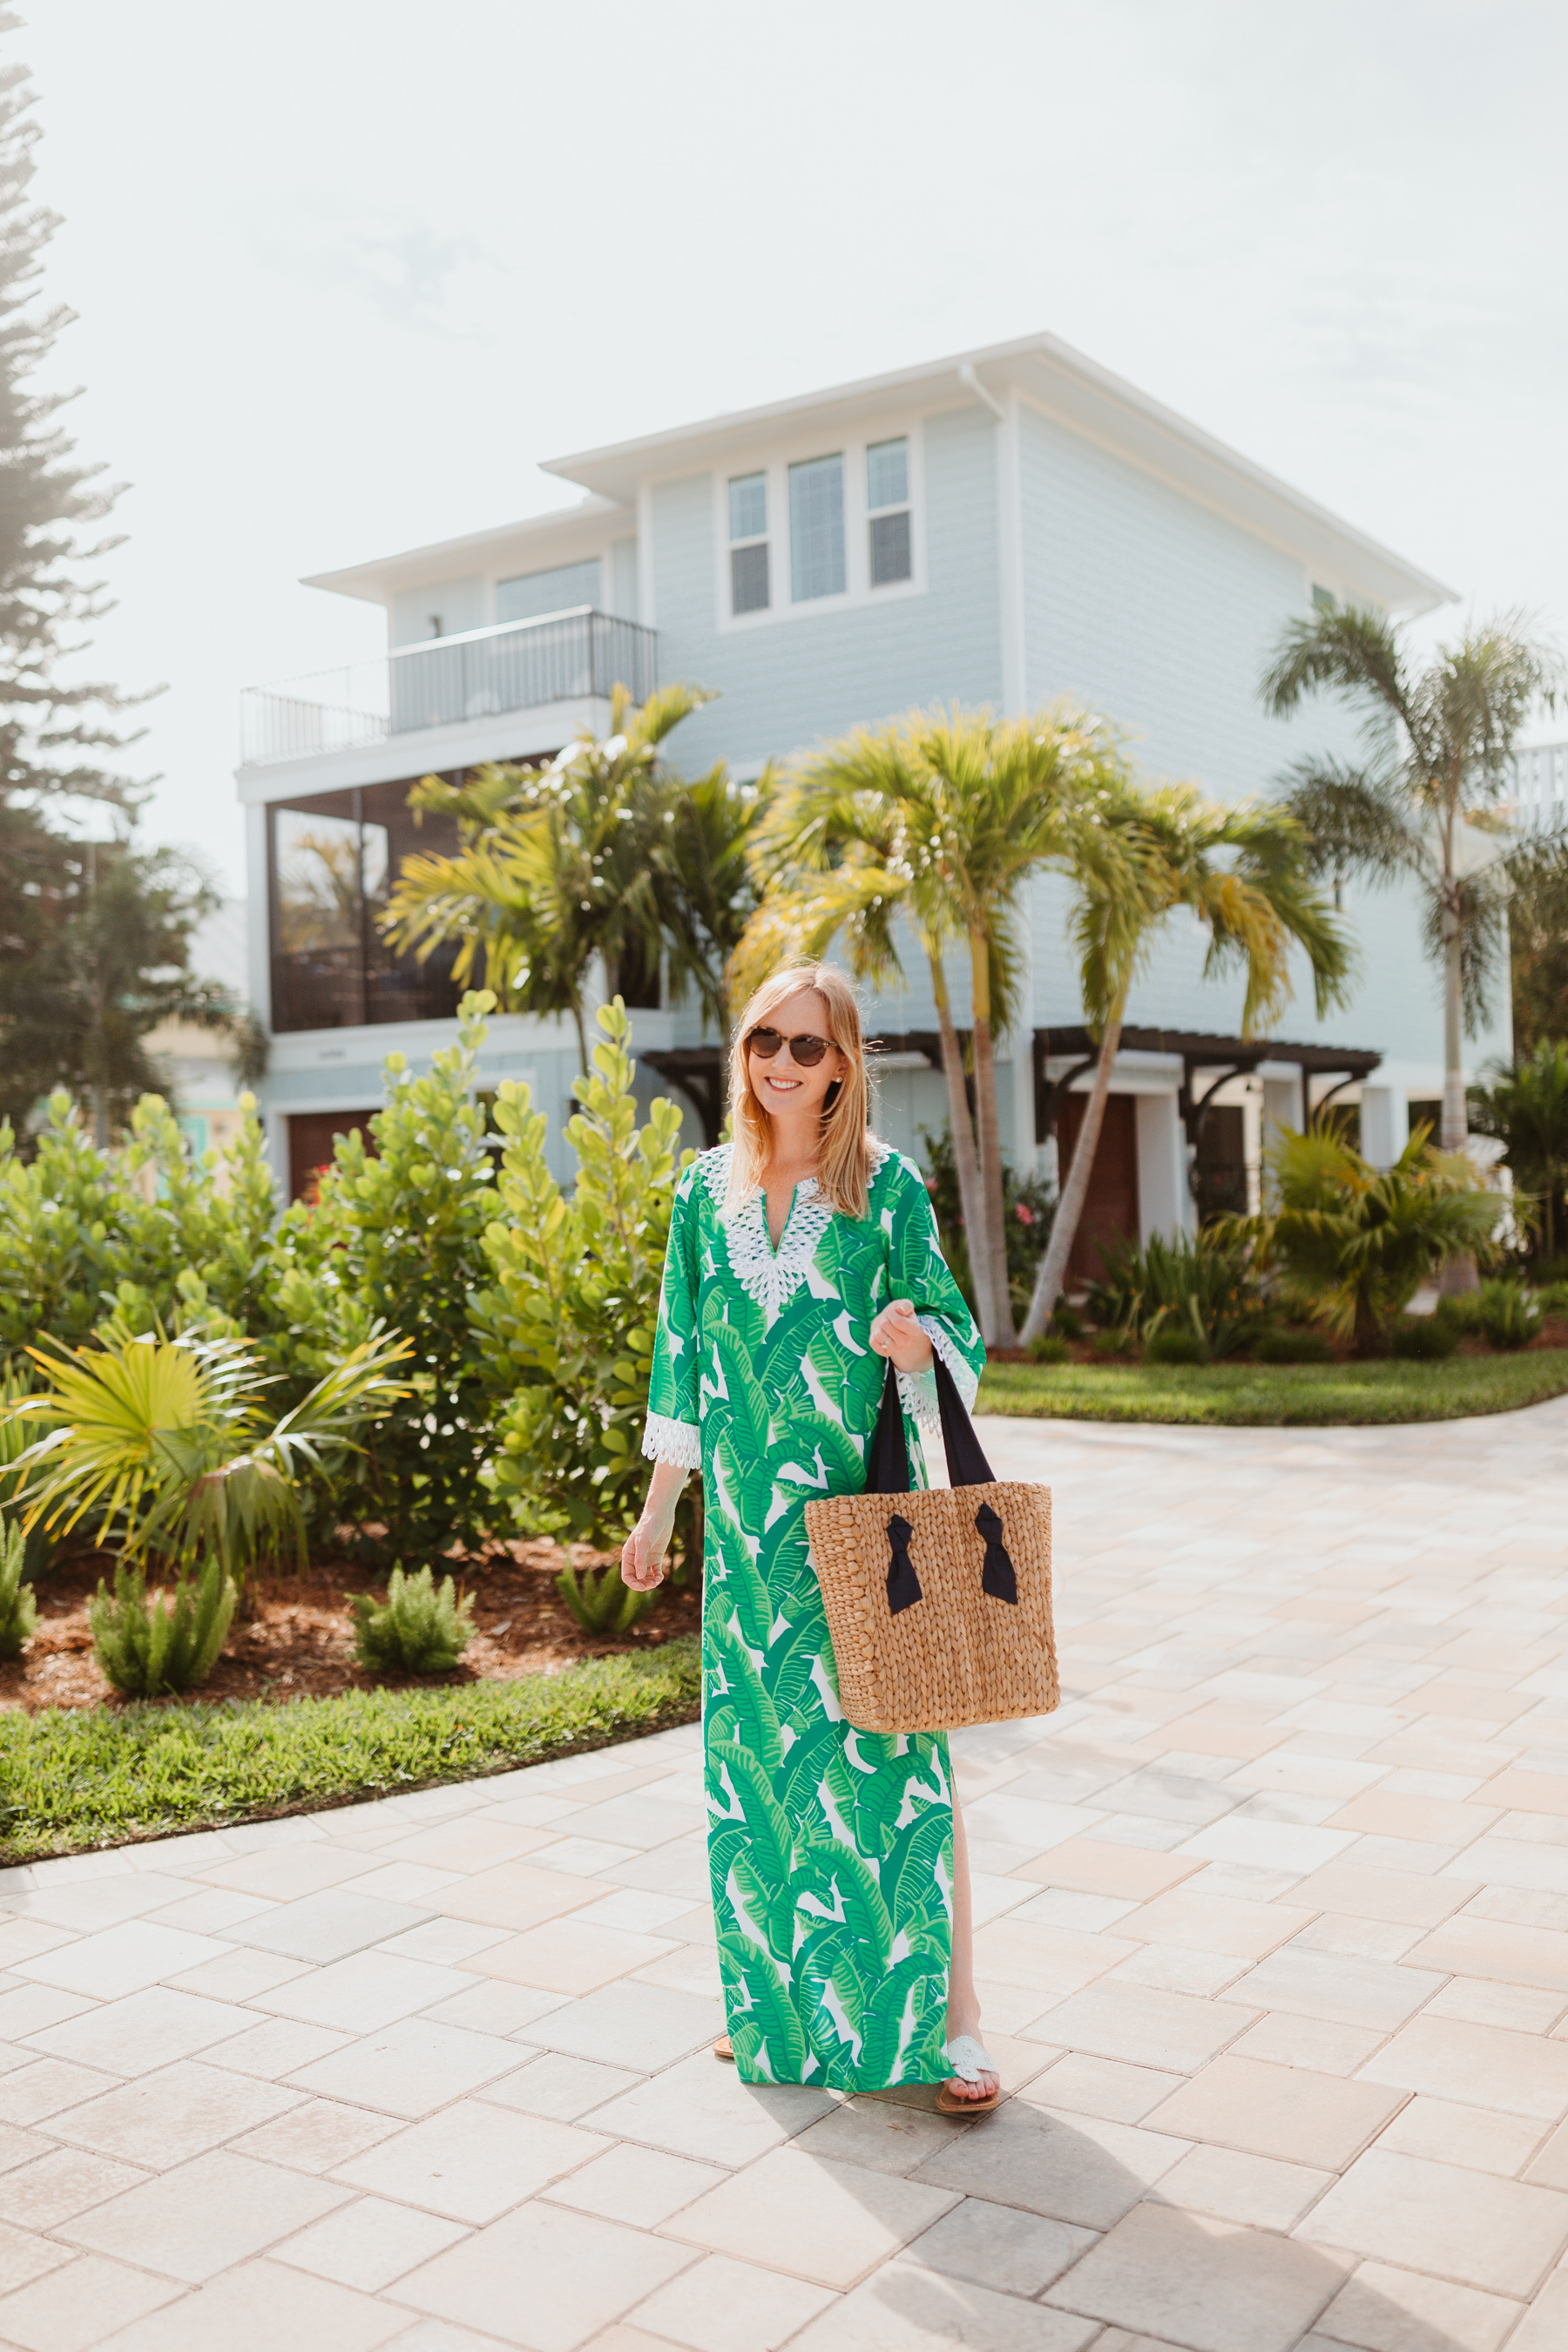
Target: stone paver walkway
[{"x": 1275, "y": 1961}]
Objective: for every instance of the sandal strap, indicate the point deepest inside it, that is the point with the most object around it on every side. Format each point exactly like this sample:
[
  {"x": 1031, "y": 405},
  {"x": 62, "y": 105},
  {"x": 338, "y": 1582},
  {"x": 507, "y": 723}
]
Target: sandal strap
[{"x": 967, "y": 2059}]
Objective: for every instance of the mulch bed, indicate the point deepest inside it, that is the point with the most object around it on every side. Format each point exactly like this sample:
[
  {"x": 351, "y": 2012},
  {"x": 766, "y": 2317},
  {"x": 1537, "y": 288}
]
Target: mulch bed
[{"x": 299, "y": 1643}]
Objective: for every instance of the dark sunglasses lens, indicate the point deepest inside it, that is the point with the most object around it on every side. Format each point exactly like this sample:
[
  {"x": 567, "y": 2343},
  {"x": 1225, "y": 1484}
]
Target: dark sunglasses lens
[
  {"x": 808, "y": 1051},
  {"x": 764, "y": 1042}
]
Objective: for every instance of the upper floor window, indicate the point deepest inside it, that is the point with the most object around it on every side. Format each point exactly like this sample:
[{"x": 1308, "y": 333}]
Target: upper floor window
[
  {"x": 749, "y": 590},
  {"x": 817, "y": 566},
  {"x": 1324, "y": 599},
  {"x": 888, "y": 509}
]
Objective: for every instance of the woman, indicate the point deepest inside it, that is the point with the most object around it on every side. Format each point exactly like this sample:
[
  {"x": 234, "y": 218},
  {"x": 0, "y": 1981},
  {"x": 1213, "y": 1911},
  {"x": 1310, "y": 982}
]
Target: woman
[{"x": 802, "y": 1258}]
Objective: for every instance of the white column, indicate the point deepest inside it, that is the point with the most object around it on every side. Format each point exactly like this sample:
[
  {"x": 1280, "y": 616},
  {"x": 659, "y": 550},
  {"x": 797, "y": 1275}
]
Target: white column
[
  {"x": 1165, "y": 1203},
  {"x": 1385, "y": 1123},
  {"x": 1284, "y": 1105}
]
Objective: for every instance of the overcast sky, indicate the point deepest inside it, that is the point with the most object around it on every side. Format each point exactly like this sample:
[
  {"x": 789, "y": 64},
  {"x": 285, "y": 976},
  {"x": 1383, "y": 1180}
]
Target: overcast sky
[{"x": 346, "y": 270}]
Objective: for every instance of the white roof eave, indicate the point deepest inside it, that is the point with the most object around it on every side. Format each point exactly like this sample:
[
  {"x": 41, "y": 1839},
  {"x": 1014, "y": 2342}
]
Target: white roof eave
[
  {"x": 415, "y": 567},
  {"x": 1088, "y": 399}
]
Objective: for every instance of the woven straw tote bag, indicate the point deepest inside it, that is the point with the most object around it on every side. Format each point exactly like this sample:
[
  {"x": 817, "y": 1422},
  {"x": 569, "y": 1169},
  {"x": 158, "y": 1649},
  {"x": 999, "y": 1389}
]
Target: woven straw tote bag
[{"x": 939, "y": 1603}]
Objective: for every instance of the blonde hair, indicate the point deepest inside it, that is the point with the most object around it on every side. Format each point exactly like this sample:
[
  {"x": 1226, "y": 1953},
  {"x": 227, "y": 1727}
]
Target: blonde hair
[{"x": 844, "y": 1170}]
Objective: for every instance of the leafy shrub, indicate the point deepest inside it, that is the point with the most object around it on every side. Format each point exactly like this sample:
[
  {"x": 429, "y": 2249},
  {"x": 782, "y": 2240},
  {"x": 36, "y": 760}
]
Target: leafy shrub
[
  {"x": 1207, "y": 1288},
  {"x": 1067, "y": 1319},
  {"x": 1553, "y": 1298},
  {"x": 566, "y": 1327},
  {"x": 418, "y": 1629},
  {"x": 14, "y": 1435},
  {"x": 1507, "y": 1315},
  {"x": 1049, "y": 1349},
  {"x": 1360, "y": 1240},
  {"x": 147, "y": 1647},
  {"x": 18, "y": 1609},
  {"x": 602, "y": 1603},
  {"x": 398, "y": 1237},
  {"x": 1423, "y": 1339},
  {"x": 1114, "y": 1344},
  {"x": 1173, "y": 1345},
  {"x": 1526, "y": 1106},
  {"x": 1276, "y": 1347},
  {"x": 152, "y": 1231}
]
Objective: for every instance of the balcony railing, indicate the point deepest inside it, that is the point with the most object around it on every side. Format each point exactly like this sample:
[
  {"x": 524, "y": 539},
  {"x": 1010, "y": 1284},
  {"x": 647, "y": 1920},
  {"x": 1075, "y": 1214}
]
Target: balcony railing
[{"x": 569, "y": 657}]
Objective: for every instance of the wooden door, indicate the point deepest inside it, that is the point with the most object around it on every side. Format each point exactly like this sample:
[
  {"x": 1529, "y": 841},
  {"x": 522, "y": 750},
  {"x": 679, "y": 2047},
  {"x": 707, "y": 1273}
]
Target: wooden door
[
  {"x": 1111, "y": 1206},
  {"x": 312, "y": 1135}
]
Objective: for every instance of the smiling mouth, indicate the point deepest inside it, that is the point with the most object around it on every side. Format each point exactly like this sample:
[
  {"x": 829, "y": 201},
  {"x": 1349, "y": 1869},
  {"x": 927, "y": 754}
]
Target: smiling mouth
[{"x": 782, "y": 1085}]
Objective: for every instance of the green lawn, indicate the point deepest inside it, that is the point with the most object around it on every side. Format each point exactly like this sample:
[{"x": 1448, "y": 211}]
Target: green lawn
[
  {"x": 106, "y": 1775},
  {"x": 1276, "y": 1394}
]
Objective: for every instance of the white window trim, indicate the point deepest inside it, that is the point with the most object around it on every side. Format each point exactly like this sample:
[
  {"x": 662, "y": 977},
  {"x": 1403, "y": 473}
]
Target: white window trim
[{"x": 775, "y": 463}]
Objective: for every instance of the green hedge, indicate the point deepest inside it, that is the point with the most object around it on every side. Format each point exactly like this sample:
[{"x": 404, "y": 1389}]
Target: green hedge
[
  {"x": 1279, "y": 1395},
  {"x": 106, "y": 1775}
]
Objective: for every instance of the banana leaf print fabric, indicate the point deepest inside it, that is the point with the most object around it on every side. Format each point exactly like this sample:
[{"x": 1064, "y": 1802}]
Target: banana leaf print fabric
[{"x": 830, "y": 1849}]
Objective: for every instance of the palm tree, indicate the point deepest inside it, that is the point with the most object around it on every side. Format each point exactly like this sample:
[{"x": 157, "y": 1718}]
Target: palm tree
[
  {"x": 1242, "y": 870},
  {"x": 602, "y": 855},
  {"x": 940, "y": 817},
  {"x": 1427, "y": 796},
  {"x": 1527, "y": 1107}
]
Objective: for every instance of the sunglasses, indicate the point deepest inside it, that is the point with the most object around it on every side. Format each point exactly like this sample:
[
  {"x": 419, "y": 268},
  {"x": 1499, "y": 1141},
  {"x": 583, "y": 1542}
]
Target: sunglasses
[{"x": 805, "y": 1050}]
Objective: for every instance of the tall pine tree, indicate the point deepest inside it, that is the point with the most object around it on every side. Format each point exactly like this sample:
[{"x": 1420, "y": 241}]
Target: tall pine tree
[{"x": 94, "y": 934}]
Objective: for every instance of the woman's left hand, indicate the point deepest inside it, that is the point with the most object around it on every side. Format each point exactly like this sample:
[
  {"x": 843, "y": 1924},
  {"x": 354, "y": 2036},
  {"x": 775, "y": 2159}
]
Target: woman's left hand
[{"x": 897, "y": 1335}]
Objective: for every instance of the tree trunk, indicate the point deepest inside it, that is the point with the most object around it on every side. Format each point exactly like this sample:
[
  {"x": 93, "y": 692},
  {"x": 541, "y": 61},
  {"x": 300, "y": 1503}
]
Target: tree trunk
[
  {"x": 1075, "y": 1192},
  {"x": 1454, "y": 1132},
  {"x": 963, "y": 1161},
  {"x": 993, "y": 1198},
  {"x": 1458, "y": 1275}
]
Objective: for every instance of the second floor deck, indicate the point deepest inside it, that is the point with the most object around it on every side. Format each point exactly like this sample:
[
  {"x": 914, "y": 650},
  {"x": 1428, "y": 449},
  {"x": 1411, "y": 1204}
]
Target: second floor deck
[{"x": 573, "y": 656}]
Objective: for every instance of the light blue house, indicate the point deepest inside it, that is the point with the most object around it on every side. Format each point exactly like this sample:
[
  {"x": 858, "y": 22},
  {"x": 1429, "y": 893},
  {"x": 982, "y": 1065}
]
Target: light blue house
[{"x": 996, "y": 529}]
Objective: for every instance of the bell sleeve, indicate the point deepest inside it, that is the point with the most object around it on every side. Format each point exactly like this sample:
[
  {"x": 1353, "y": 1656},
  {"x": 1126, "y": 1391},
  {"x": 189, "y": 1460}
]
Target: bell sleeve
[
  {"x": 919, "y": 1272},
  {"x": 672, "y": 1432}
]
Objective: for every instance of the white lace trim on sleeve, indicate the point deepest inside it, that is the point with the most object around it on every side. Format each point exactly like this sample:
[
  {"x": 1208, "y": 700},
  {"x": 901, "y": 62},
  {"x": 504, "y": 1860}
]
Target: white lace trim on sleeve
[
  {"x": 917, "y": 1395},
  {"x": 679, "y": 1442},
  {"x": 966, "y": 1380}
]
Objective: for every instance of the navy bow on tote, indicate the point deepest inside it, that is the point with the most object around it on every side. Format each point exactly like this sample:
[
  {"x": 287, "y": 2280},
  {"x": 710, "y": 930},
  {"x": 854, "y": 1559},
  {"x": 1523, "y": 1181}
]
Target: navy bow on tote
[{"x": 966, "y": 1466}]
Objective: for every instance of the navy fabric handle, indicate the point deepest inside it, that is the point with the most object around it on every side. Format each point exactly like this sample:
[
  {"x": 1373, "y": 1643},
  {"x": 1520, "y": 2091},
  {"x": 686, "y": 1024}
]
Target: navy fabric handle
[
  {"x": 966, "y": 1466},
  {"x": 966, "y": 1462}
]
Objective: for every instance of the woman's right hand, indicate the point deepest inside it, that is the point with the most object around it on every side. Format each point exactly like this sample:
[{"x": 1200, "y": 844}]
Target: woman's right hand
[{"x": 644, "y": 1555}]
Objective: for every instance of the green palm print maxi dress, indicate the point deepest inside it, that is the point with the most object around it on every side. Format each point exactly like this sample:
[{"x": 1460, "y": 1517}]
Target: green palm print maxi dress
[{"x": 830, "y": 1849}]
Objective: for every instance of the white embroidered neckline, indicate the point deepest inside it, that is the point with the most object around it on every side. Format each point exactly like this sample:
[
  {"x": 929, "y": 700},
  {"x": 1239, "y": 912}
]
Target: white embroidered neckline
[{"x": 769, "y": 1277}]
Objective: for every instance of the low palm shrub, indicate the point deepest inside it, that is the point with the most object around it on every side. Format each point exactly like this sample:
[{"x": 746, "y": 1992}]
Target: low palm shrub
[
  {"x": 419, "y": 1629},
  {"x": 164, "y": 1445},
  {"x": 1205, "y": 1287},
  {"x": 148, "y": 1647},
  {"x": 1422, "y": 1339},
  {"x": 18, "y": 1609},
  {"x": 1049, "y": 1349},
  {"x": 1359, "y": 1241},
  {"x": 1172, "y": 1344},
  {"x": 1507, "y": 1315},
  {"x": 601, "y": 1603},
  {"x": 1278, "y": 1347},
  {"x": 1553, "y": 1298}
]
